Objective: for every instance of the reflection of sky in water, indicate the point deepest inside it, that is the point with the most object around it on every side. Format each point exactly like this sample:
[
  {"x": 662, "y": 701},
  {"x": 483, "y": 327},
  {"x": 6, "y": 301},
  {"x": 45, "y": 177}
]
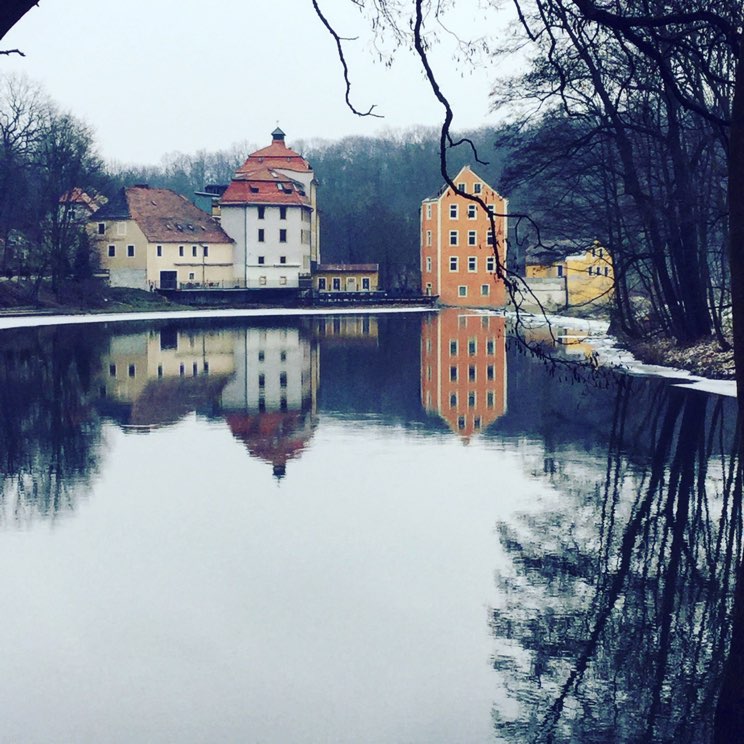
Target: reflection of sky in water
[{"x": 199, "y": 594}]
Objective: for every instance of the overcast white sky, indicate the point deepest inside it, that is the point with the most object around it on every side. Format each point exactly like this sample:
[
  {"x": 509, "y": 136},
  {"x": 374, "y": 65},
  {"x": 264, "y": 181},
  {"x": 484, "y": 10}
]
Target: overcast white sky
[{"x": 155, "y": 76}]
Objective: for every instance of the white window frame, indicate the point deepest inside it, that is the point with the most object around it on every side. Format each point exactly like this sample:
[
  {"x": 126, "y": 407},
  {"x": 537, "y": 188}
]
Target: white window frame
[
  {"x": 472, "y": 237},
  {"x": 472, "y": 212},
  {"x": 454, "y": 212},
  {"x": 454, "y": 264},
  {"x": 462, "y": 290},
  {"x": 428, "y": 264},
  {"x": 454, "y": 237},
  {"x": 491, "y": 264},
  {"x": 472, "y": 264}
]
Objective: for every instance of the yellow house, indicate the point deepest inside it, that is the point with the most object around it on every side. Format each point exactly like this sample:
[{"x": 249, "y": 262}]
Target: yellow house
[
  {"x": 590, "y": 278},
  {"x": 346, "y": 278},
  {"x": 151, "y": 238},
  {"x": 588, "y": 275}
]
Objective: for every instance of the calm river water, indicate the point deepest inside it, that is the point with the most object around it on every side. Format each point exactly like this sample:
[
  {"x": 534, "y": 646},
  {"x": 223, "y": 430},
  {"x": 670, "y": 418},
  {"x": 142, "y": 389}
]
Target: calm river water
[{"x": 394, "y": 528}]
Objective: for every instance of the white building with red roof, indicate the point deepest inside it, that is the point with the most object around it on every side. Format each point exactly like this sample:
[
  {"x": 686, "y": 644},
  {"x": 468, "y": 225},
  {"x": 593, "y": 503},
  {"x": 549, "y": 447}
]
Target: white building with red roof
[{"x": 270, "y": 211}]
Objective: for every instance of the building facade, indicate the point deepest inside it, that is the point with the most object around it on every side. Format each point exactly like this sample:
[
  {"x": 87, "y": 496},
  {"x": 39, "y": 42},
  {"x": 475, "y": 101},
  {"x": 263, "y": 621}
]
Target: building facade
[
  {"x": 151, "y": 238},
  {"x": 458, "y": 247},
  {"x": 270, "y": 210},
  {"x": 346, "y": 278}
]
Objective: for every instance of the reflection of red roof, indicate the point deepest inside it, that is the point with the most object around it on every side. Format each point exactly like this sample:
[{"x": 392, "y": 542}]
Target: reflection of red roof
[{"x": 273, "y": 436}]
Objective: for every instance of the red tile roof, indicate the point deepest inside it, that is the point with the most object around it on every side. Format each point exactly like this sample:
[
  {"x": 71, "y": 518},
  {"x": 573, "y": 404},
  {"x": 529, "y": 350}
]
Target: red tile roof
[
  {"x": 167, "y": 217},
  {"x": 276, "y": 155},
  {"x": 262, "y": 185}
]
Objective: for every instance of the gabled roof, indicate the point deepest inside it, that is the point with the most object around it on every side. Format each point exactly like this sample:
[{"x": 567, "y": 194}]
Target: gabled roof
[
  {"x": 163, "y": 216},
  {"x": 456, "y": 179}
]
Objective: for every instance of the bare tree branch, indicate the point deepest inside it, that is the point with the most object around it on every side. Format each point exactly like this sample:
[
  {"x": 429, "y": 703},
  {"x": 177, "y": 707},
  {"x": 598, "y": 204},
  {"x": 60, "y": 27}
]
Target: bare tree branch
[{"x": 339, "y": 47}]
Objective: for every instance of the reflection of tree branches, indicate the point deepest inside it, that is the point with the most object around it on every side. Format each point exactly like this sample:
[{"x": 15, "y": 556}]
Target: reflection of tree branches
[{"x": 655, "y": 626}]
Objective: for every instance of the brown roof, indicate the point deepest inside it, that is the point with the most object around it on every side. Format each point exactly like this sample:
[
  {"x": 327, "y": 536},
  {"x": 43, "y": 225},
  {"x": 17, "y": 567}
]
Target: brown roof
[
  {"x": 347, "y": 267},
  {"x": 262, "y": 185},
  {"x": 167, "y": 217},
  {"x": 78, "y": 196}
]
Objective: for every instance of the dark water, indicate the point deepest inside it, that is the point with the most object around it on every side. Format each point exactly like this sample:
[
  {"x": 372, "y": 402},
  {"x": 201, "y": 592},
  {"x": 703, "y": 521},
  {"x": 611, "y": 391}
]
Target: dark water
[{"x": 356, "y": 529}]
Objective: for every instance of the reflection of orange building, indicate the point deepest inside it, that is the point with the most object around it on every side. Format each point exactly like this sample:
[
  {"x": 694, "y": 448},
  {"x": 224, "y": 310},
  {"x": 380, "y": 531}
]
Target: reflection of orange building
[
  {"x": 458, "y": 262},
  {"x": 463, "y": 369}
]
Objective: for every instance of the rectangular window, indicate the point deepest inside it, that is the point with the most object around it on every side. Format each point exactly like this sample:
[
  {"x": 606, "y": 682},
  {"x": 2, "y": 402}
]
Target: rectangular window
[
  {"x": 261, "y": 260},
  {"x": 490, "y": 347},
  {"x": 453, "y": 347},
  {"x": 559, "y": 270},
  {"x": 462, "y": 187},
  {"x": 490, "y": 399},
  {"x": 428, "y": 263},
  {"x": 485, "y": 290},
  {"x": 260, "y": 235},
  {"x": 282, "y": 213},
  {"x": 282, "y": 280},
  {"x": 472, "y": 347},
  {"x": 489, "y": 237},
  {"x": 180, "y": 250},
  {"x": 282, "y": 236},
  {"x": 121, "y": 228},
  {"x": 191, "y": 276},
  {"x": 130, "y": 251},
  {"x": 472, "y": 263},
  {"x": 491, "y": 264},
  {"x": 428, "y": 237},
  {"x": 282, "y": 259},
  {"x": 159, "y": 250},
  {"x": 453, "y": 374},
  {"x": 321, "y": 282},
  {"x": 132, "y": 370},
  {"x": 428, "y": 211},
  {"x": 337, "y": 283},
  {"x": 101, "y": 228},
  {"x": 491, "y": 208},
  {"x": 589, "y": 271},
  {"x": 193, "y": 251},
  {"x": 472, "y": 237},
  {"x": 471, "y": 373},
  {"x": 453, "y": 211},
  {"x": 477, "y": 188},
  {"x": 462, "y": 291},
  {"x": 283, "y": 379},
  {"x": 262, "y": 281},
  {"x": 206, "y": 250},
  {"x": 112, "y": 250},
  {"x": 490, "y": 372},
  {"x": 365, "y": 282},
  {"x": 461, "y": 422},
  {"x": 261, "y": 212},
  {"x": 472, "y": 211},
  {"x": 454, "y": 237},
  {"x": 453, "y": 263},
  {"x": 471, "y": 399},
  {"x": 262, "y": 380},
  {"x": 453, "y": 400},
  {"x": 112, "y": 370},
  {"x": 606, "y": 271}
]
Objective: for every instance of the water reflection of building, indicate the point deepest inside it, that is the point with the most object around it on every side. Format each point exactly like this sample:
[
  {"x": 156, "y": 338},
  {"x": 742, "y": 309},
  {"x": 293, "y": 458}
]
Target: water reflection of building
[
  {"x": 347, "y": 329},
  {"x": 463, "y": 369},
  {"x": 270, "y": 403},
  {"x": 156, "y": 377}
]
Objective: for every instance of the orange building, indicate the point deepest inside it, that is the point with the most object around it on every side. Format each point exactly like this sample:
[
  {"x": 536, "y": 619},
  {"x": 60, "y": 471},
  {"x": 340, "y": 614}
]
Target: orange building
[
  {"x": 458, "y": 259},
  {"x": 463, "y": 369}
]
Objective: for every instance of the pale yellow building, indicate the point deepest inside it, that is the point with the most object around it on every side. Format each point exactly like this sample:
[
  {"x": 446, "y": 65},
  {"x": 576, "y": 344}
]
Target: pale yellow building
[
  {"x": 151, "y": 238},
  {"x": 346, "y": 278}
]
